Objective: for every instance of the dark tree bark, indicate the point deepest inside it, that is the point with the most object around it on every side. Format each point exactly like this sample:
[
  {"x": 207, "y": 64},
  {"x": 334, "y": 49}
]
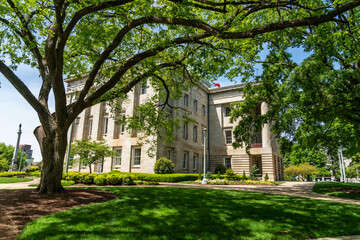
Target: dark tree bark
[{"x": 53, "y": 148}]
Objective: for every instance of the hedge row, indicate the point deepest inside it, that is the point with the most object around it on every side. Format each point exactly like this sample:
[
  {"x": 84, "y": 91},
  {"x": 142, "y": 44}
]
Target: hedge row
[
  {"x": 116, "y": 177},
  {"x": 173, "y": 177},
  {"x": 11, "y": 174},
  {"x": 99, "y": 178}
]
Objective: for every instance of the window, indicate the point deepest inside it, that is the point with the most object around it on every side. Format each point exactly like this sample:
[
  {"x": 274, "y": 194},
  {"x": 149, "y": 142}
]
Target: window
[
  {"x": 227, "y": 162},
  {"x": 143, "y": 89},
  {"x": 196, "y": 158},
  {"x": 203, "y": 110},
  {"x": 185, "y": 130},
  {"x": 186, "y": 160},
  {"x": 90, "y": 127},
  {"x": 195, "y": 133},
  {"x": 136, "y": 156},
  {"x": 228, "y": 136},
  {"x": 186, "y": 100},
  {"x": 195, "y": 105},
  {"x": 117, "y": 158},
  {"x": 170, "y": 154},
  {"x": 122, "y": 124},
  {"x": 227, "y": 111},
  {"x": 106, "y": 124}
]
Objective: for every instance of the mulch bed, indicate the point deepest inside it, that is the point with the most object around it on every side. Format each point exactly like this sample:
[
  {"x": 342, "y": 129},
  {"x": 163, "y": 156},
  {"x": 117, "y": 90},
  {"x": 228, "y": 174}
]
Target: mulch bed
[
  {"x": 17, "y": 208},
  {"x": 346, "y": 190}
]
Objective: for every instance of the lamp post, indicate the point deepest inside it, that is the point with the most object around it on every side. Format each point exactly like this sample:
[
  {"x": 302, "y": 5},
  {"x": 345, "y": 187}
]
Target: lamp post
[
  {"x": 14, "y": 160},
  {"x": 21, "y": 157},
  {"x": 204, "y": 181}
]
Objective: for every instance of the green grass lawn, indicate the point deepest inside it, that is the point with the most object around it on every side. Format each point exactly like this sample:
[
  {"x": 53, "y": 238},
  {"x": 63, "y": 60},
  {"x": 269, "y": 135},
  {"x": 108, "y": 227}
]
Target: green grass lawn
[
  {"x": 329, "y": 188},
  {"x": 14, "y": 179},
  {"x": 181, "y": 213}
]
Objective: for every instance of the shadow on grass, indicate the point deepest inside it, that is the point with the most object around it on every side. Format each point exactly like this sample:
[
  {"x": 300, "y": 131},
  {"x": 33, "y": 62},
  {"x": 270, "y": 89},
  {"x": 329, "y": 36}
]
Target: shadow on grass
[
  {"x": 180, "y": 213},
  {"x": 332, "y": 189}
]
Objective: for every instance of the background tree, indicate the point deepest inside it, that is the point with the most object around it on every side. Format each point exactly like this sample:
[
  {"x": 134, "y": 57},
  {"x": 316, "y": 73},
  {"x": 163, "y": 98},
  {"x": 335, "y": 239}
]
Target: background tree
[
  {"x": 314, "y": 102},
  {"x": 6, "y": 152},
  {"x": 4, "y": 165},
  {"x": 299, "y": 154},
  {"x": 90, "y": 152},
  {"x": 119, "y": 43},
  {"x": 303, "y": 171}
]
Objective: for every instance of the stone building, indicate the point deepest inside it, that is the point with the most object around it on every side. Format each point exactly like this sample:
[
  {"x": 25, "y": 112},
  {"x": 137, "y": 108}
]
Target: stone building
[{"x": 209, "y": 108}]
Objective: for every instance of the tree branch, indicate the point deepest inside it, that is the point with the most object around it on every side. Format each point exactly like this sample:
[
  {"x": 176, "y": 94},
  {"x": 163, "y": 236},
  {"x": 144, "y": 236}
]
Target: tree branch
[
  {"x": 131, "y": 25},
  {"x": 23, "y": 90},
  {"x": 85, "y": 11},
  {"x": 316, "y": 20}
]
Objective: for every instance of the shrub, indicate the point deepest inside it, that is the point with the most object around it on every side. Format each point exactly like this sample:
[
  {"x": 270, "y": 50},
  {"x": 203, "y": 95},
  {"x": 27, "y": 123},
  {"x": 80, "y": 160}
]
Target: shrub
[
  {"x": 254, "y": 173},
  {"x": 230, "y": 174},
  {"x": 34, "y": 168},
  {"x": 199, "y": 176},
  {"x": 175, "y": 177},
  {"x": 36, "y": 174},
  {"x": 218, "y": 176},
  {"x": 266, "y": 177},
  {"x": 87, "y": 178},
  {"x": 100, "y": 179},
  {"x": 151, "y": 183},
  {"x": 244, "y": 177},
  {"x": 209, "y": 175},
  {"x": 11, "y": 174},
  {"x": 138, "y": 182},
  {"x": 113, "y": 179},
  {"x": 127, "y": 180},
  {"x": 164, "y": 166},
  {"x": 72, "y": 176},
  {"x": 220, "y": 168},
  {"x": 67, "y": 183}
]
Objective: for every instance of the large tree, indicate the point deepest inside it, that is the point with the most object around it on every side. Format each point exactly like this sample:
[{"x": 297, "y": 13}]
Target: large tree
[{"x": 115, "y": 44}]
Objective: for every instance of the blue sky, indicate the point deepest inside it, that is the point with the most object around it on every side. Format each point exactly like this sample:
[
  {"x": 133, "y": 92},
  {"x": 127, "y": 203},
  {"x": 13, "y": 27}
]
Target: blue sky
[{"x": 15, "y": 110}]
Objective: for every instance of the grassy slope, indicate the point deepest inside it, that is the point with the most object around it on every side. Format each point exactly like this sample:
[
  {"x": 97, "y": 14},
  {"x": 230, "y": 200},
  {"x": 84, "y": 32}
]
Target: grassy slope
[
  {"x": 326, "y": 188},
  {"x": 14, "y": 180},
  {"x": 180, "y": 213}
]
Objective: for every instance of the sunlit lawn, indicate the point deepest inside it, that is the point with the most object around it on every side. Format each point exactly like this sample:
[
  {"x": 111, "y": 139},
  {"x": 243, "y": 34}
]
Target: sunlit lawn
[
  {"x": 330, "y": 188},
  {"x": 181, "y": 213},
  {"x": 14, "y": 179}
]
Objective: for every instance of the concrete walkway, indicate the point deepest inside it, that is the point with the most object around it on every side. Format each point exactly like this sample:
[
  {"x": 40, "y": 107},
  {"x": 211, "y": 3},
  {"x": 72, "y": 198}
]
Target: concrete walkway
[{"x": 19, "y": 185}]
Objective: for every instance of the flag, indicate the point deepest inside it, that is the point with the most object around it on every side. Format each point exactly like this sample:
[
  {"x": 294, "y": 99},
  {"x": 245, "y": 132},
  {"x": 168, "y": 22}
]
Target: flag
[{"x": 216, "y": 84}]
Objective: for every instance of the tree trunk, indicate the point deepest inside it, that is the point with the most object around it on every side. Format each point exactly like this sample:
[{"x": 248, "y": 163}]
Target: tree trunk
[
  {"x": 90, "y": 168},
  {"x": 53, "y": 148}
]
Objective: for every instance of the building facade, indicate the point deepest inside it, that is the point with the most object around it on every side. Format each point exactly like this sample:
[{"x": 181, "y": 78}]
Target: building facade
[{"x": 206, "y": 108}]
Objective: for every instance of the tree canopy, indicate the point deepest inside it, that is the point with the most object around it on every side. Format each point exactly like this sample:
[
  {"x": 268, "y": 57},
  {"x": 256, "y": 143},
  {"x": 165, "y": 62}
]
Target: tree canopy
[
  {"x": 113, "y": 45},
  {"x": 315, "y": 102}
]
